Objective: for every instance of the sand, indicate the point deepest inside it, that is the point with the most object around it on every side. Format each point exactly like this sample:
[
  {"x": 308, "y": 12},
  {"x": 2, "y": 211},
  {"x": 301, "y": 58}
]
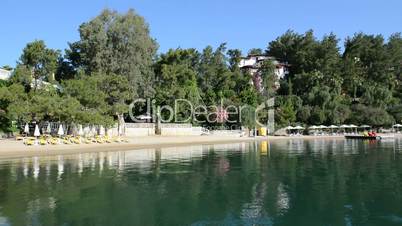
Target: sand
[{"x": 15, "y": 149}]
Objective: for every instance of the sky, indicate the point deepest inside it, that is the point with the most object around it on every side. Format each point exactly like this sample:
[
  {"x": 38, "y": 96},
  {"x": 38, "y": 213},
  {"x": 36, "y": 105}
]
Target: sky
[{"x": 196, "y": 23}]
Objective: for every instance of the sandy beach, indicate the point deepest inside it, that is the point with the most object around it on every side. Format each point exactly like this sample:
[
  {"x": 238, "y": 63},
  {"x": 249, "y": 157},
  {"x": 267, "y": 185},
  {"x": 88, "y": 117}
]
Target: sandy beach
[{"x": 10, "y": 148}]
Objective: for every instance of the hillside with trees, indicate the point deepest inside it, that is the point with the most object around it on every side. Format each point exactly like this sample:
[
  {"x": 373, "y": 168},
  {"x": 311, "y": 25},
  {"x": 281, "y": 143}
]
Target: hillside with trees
[{"x": 115, "y": 61}]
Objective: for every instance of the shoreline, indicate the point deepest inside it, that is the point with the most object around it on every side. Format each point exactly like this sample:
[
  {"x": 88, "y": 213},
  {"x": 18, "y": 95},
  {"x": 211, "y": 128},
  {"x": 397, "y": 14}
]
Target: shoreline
[{"x": 10, "y": 149}]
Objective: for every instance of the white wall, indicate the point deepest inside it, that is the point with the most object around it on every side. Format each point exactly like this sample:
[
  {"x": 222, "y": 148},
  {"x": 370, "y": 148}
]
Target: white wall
[
  {"x": 247, "y": 62},
  {"x": 172, "y": 129},
  {"x": 168, "y": 129},
  {"x": 4, "y": 74},
  {"x": 280, "y": 72},
  {"x": 139, "y": 132},
  {"x": 140, "y": 129}
]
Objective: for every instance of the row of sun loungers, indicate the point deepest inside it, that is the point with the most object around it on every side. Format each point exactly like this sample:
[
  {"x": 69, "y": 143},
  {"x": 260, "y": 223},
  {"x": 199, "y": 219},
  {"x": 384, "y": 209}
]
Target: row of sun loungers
[{"x": 45, "y": 140}]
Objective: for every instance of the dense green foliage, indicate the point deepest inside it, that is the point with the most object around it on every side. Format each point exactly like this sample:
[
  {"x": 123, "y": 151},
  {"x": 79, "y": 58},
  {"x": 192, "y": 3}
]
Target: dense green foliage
[
  {"x": 92, "y": 84},
  {"x": 119, "y": 44},
  {"x": 361, "y": 85},
  {"x": 115, "y": 61}
]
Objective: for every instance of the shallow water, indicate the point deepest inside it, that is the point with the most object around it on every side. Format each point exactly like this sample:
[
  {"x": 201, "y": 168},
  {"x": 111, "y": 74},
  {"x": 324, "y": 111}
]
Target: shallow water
[{"x": 284, "y": 182}]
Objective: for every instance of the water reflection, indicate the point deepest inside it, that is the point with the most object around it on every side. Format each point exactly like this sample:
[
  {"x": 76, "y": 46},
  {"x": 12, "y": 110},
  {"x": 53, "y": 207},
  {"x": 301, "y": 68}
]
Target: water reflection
[{"x": 285, "y": 182}]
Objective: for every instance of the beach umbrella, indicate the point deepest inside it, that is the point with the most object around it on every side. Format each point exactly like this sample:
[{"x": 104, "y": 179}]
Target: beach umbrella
[
  {"x": 332, "y": 127},
  {"x": 313, "y": 127},
  {"x": 80, "y": 130},
  {"x": 353, "y": 127},
  {"x": 289, "y": 128},
  {"x": 298, "y": 127},
  {"x": 322, "y": 127},
  {"x": 87, "y": 130},
  {"x": 60, "y": 132},
  {"x": 365, "y": 126},
  {"x": 26, "y": 128},
  {"x": 48, "y": 129},
  {"x": 37, "y": 132},
  {"x": 344, "y": 127}
]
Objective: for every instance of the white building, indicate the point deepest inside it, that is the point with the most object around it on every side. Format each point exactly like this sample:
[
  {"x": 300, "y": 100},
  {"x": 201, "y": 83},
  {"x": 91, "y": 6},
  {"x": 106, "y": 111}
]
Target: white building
[
  {"x": 41, "y": 84},
  {"x": 253, "y": 64},
  {"x": 4, "y": 74}
]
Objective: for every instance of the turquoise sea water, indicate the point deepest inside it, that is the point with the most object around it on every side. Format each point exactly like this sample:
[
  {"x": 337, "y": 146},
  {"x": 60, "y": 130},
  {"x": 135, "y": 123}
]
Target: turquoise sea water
[{"x": 286, "y": 182}]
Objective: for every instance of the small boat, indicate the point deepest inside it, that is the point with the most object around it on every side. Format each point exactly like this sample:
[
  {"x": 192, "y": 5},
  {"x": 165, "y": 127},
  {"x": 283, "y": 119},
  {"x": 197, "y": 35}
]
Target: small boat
[{"x": 362, "y": 137}]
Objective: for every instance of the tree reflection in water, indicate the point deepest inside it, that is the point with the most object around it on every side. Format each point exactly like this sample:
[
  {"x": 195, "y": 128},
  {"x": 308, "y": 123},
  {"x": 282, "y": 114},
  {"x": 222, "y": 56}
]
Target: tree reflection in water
[{"x": 284, "y": 182}]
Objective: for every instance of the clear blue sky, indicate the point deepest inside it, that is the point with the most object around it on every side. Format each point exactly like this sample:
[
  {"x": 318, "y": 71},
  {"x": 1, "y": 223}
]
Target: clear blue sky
[{"x": 196, "y": 23}]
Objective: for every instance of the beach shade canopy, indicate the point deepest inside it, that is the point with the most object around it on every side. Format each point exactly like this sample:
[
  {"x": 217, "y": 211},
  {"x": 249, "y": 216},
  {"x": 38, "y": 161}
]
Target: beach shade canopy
[
  {"x": 344, "y": 126},
  {"x": 397, "y": 125},
  {"x": 80, "y": 130},
  {"x": 298, "y": 127},
  {"x": 365, "y": 126},
  {"x": 48, "y": 129},
  {"x": 26, "y": 128},
  {"x": 101, "y": 131},
  {"x": 290, "y": 128},
  {"x": 60, "y": 132},
  {"x": 87, "y": 130},
  {"x": 313, "y": 127},
  {"x": 322, "y": 127},
  {"x": 333, "y": 127},
  {"x": 352, "y": 126},
  {"x": 36, "y": 133}
]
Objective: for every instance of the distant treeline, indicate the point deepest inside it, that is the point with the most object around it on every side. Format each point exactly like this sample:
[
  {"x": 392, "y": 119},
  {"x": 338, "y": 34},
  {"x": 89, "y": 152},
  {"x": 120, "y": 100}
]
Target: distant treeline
[{"x": 115, "y": 61}]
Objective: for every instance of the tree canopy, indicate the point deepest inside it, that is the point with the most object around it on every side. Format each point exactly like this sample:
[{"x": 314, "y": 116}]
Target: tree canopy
[{"x": 115, "y": 60}]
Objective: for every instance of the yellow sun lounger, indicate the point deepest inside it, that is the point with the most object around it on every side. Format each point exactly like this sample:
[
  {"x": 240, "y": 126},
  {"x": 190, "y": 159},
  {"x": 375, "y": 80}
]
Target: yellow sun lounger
[
  {"x": 54, "y": 141},
  {"x": 29, "y": 141},
  {"x": 66, "y": 141},
  {"x": 99, "y": 140},
  {"x": 108, "y": 140},
  {"x": 42, "y": 141},
  {"x": 75, "y": 140}
]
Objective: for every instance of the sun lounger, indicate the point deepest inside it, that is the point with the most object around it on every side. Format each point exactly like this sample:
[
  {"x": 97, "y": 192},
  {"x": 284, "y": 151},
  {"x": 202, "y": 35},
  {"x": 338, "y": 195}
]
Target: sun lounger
[
  {"x": 99, "y": 140},
  {"x": 66, "y": 141},
  {"x": 29, "y": 141},
  {"x": 53, "y": 141},
  {"x": 76, "y": 140},
  {"x": 42, "y": 141},
  {"x": 107, "y": 140}
]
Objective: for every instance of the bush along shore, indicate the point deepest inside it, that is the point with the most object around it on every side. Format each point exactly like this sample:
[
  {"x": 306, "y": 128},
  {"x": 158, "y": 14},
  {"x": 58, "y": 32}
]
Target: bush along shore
[{"x": 115, "y": 61}]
